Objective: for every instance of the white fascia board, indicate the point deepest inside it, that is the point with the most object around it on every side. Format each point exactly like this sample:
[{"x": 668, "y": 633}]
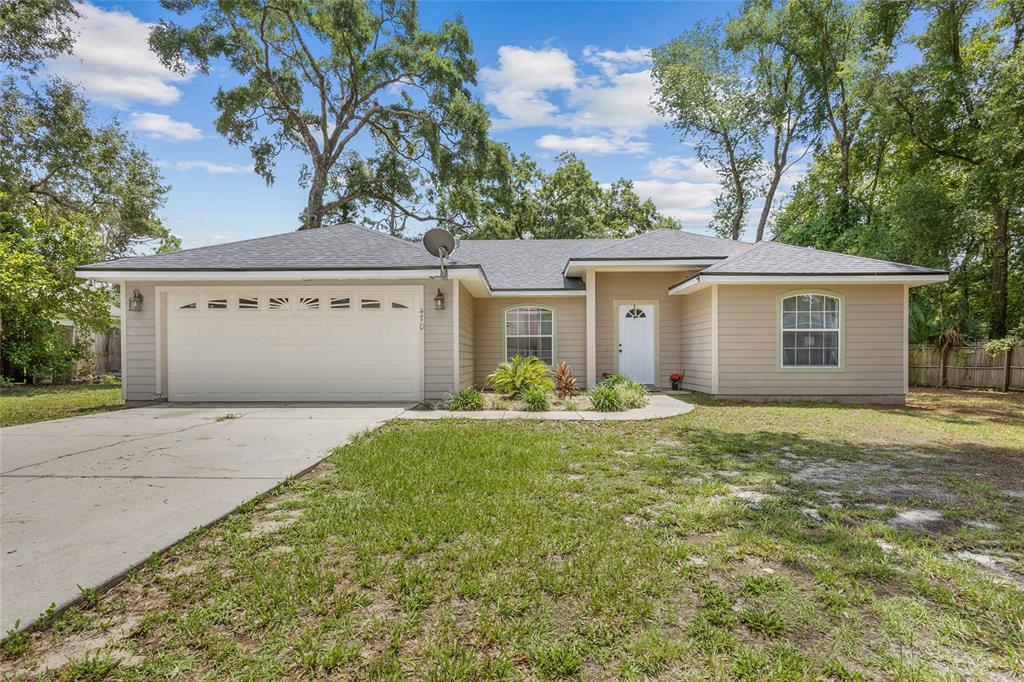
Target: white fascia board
[
  {"x": 266, "y": 275},
  {"x": 701, "y": 281},
  {"x": 575, "y": 267},
  {"x": 538, "y": 292}
]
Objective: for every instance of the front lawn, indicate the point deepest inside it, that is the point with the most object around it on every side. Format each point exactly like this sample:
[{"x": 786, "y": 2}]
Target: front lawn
[
  {"x": 738, "y": 541},
  {"x": 38, "y": 403}
]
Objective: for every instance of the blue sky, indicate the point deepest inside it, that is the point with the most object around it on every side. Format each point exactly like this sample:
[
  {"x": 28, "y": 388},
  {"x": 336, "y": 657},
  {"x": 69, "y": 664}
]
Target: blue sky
[{"x": 555, "y": 76}]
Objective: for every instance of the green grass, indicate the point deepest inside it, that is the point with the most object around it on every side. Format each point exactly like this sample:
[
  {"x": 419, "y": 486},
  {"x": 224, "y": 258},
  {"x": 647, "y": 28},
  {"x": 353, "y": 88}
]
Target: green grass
[
  {"x": 679, "y": 548},
  {"x": 40, "y": 403}
]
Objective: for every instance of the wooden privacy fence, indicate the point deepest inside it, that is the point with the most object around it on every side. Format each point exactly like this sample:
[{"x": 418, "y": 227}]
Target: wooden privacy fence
[{"x": 967, "y": 367}]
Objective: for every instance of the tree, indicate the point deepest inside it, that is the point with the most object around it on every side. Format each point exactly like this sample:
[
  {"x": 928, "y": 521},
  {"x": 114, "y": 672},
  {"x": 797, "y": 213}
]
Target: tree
[
  {"x": 965, "y": 103},
  {"x": 56, "y": 161},
  {"x": 514, "y": 199},
  {"x": 841, "y": 51},
  {"x": 379, "y": 107},
  {"x": 32, "y": 31},
  {"x": 38, "y": 287},
  {"x": 704, "y": 88},
  {"x": 783, "y": 93}
]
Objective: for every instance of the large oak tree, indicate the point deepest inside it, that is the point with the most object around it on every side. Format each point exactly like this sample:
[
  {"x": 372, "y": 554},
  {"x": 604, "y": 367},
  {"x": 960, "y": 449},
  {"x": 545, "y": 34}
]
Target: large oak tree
[{"x": 379, "y": 107}]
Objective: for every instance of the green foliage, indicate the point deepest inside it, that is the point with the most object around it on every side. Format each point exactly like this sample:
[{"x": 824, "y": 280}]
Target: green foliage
[
  {"x": 380, "y": 108},
  {"x": 32, "y": 32},
  {"x": 514, "y": 199},
  {"x": 514, "y": 377},
  {"x": 536, "y": 399},
  {"x": 466, "y": 400},
  {"x": 997, "y": 347},
  {"x": 38, "y": 288},
  {"x": 59, "y": 164},
  {"x": 16, "y": 642},
  {"x": 616, "y": 393},
  {"x": 634, "y": 396},
  {"x": 605, "y": 398},
  {"x": 565, "y": 382}
]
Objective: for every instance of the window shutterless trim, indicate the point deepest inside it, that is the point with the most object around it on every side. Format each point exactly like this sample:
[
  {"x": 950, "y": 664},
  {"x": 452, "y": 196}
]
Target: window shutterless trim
[
  {"x": 779, "y": 367},
  {"x": 554, "y": 330}
]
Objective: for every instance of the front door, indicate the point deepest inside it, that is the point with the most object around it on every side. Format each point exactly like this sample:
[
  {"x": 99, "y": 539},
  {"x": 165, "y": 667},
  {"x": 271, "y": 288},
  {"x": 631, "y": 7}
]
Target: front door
[{"x": 636, "y": 341}]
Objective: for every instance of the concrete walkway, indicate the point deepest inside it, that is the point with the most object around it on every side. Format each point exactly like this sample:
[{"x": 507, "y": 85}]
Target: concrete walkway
[
  {"x": 86, "y": 498},
  {"x": 658, "y": 406}
]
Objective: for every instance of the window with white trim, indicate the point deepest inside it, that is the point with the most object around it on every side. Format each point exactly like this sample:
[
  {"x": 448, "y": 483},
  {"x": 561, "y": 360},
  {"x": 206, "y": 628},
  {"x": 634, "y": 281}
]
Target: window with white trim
[
  {"x": 810, "y": 330},
  {"x": 530, "y": 331}
]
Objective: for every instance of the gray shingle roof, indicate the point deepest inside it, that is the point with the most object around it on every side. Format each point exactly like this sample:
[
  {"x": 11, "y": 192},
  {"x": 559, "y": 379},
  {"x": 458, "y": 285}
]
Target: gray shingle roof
[
  {"x": 526, "y": 263},
  {"x": 336, "y": 247},
  {"x": 666, "y": 243},
  {"x": 773, "y": 258},
  {"x": 534, "y": 264}
]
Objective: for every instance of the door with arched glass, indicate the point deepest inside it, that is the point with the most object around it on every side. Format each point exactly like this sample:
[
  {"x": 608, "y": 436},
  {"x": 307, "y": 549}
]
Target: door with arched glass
[{"x": 636, "y": 341}]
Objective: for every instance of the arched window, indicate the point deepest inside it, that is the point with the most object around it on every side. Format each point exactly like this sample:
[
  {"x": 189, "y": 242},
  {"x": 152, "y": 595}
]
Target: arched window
[
  {"x": 530, "y": 331},
  {"x": 810, "y": 330}
]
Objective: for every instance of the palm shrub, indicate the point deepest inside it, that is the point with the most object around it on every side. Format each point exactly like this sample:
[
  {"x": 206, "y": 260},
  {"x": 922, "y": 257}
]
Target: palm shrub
[
  {"x": 466, "y": 400},
  {"x": 605, "y": 398},
  {"x": 565, "y": 382},
  {"x": 514, "y": 377},
  {"x": 536, "y": 399}
]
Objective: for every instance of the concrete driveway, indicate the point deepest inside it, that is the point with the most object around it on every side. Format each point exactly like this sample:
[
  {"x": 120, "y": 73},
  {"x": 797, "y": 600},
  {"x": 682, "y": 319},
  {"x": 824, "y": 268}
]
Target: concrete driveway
[{"x": 84, "y": 499}]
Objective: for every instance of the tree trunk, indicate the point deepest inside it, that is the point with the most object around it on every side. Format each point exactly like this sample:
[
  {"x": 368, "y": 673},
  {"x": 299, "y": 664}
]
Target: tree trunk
[
  {"x": 1000, "y": 254},
  {"x": 844, "y": 185},
  {"x": 769, "y": 197},
  {"x": 313, "y": 216}
]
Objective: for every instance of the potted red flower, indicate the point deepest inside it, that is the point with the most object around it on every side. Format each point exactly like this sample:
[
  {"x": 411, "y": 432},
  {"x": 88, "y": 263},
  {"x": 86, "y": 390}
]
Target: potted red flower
[{"x": 677, "y": 379}]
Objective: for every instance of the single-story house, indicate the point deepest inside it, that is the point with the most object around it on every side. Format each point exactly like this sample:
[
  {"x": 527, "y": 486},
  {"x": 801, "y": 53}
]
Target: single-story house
[{"x": 345, "y": 313}]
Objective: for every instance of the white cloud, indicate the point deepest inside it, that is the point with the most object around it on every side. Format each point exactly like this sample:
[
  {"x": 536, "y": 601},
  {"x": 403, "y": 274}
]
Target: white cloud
[
  {"x": 193, "y": 241},
  {"x": 621, "y": 102},
  {"x": 612, "y": 62},
  {"x": 607, "y": 110},
  {"x": 692, "y": 203},
  {"x": 112, "y": 60},
  {"x": 161, "y": 126},
  {"x": 592, "y": 144},
  {"x": 518, "y": 87},
  {"x": 681, "y": 168},
  {"x": 211, "y": 167}
]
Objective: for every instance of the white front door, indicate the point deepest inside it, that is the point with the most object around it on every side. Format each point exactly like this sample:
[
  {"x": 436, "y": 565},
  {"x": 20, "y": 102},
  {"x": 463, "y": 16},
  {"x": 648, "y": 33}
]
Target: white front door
[
  {"x": 295, "y": 343},
  {"x": 636, "y": 341}
]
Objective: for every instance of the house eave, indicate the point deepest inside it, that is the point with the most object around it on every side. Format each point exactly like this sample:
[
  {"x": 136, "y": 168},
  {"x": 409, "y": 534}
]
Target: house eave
[
  {"x": 575, "y": 267},
  {"x": 702, "y": 281}
]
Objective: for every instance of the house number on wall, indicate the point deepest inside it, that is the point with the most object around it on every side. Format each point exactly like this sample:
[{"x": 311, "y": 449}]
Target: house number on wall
[{"x": 421, "y": 318}]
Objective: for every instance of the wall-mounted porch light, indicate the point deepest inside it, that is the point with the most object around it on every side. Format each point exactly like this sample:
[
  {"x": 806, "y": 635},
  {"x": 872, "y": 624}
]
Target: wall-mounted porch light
[
  {"x": 439, "y": 301},
  {"x": 135, "y": 302}
]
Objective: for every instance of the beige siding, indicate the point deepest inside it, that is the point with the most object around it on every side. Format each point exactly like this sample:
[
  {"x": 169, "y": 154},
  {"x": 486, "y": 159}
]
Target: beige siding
[
  {"x": 636, "y": 287},
  {"x": 140, "y": 345},
  {"x": 467, "y": 366},
  {"x": 570, "y": 332},
  {"x": 695, "y": 341},
  {"x": 438, "y": 341},
  {"x": 873, "y": 344},
  {"x": 140, "y": 339}
]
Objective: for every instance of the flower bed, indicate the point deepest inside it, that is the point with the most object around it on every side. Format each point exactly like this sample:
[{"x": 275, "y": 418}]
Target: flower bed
[{"x": 526, "y": 384}]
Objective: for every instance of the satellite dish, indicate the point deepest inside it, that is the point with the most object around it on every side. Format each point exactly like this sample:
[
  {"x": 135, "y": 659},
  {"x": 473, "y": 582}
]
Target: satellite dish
[{"x": 439, "y": 242}]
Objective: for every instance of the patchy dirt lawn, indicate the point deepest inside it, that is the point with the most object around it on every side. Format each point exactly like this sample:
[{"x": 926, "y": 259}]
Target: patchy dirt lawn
[{"x": 738, "y": 541}]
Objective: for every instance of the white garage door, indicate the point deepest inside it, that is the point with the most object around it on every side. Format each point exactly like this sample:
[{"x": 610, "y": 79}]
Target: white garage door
[{"x": 295, "y": 343}]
